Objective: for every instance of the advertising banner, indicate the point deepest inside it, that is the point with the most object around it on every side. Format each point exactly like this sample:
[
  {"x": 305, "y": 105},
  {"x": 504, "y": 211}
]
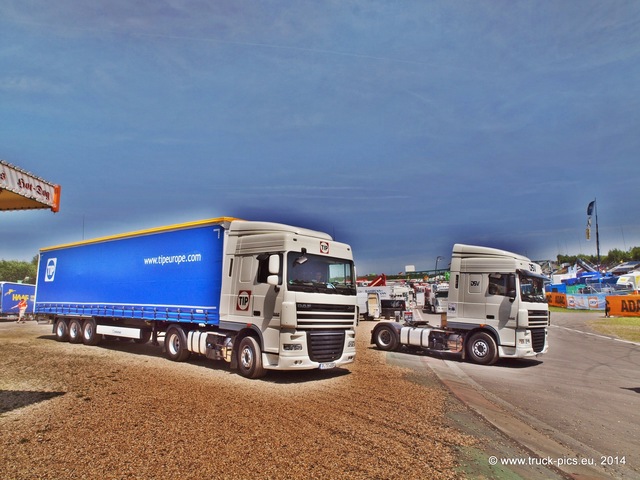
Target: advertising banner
[
  {"x": 624, "y": 305},
  {"x": 594, "y": 301}
]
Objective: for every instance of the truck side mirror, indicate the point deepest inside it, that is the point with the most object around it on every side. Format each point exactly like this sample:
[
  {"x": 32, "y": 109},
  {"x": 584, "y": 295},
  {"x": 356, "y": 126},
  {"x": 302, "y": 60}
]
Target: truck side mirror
[
  {"x": 512, "y": 295},
  {"x": 274, "y": 270},
  {"x": 274, "y": 264}
]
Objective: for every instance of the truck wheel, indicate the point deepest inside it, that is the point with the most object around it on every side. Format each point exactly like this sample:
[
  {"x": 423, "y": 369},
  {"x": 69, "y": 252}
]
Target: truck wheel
[
  {"x": 90, "y": 335},
  {"x": 482, "y": 349},
  {"x": 386, "y": 338},
  {"x": 75, "y": 331},
  {"x": 61, "y": 330},
  {"x": 175, "y": 344},
  {"x": 250, "y": 358}
]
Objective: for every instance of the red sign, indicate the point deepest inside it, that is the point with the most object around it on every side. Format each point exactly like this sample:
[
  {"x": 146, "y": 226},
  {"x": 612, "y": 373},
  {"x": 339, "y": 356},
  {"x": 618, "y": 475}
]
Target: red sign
[{"x": 244, "y": 300}]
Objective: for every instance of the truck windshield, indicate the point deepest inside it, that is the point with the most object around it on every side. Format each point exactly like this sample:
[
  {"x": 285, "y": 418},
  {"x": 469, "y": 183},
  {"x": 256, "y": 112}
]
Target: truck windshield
[
  {"x": 315, "y": 273},
  {"x": 532, "y": 288}
]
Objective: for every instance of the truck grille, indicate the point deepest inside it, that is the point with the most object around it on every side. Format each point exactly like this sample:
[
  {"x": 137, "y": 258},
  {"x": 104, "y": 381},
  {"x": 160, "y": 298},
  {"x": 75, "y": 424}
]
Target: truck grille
[
  {"x": 325, "y": 346},
  {"x": 538, "y": 337},
  {"x": 538, "y": 318},
  {"x": 320, "y": 315}
]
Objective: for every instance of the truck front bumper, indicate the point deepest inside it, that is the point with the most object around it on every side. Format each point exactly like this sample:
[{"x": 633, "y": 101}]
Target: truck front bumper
[
  {"x": 528, "y": 344},
  {"x": 297, "y": 351}
]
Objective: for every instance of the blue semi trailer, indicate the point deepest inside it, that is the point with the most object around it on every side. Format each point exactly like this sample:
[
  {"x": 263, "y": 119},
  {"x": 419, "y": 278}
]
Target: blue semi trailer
[
  {"x": 262, "y": 296},
  {"x": 11, "y": 294}
]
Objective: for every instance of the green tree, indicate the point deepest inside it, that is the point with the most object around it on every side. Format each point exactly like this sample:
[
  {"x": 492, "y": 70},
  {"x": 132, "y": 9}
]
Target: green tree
[
  {"x": 616, "y": 256},
  {"x": 18, "y": 271}
]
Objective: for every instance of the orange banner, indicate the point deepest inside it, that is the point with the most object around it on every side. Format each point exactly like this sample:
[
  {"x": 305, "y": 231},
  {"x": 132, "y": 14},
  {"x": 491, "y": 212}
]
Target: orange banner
[
  {"x": 557, "y": 299},
  {"x": 623, "y": 305}
]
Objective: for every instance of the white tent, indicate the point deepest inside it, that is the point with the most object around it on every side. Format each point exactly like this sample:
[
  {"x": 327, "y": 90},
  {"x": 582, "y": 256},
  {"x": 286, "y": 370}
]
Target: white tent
[{"x": 631, "y": 279}]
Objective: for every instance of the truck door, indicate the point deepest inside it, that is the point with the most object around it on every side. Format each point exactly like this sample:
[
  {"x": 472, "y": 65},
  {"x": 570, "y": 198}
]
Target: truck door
[
  {"x": 254, "y": 301},
  {"x": 472, "y": 303},
  {"x": 244, "y": 275},
  {"x": 373, "y": 305},
  {"x": 267, "y": 304},
  {"x": 502, "y": 306},
  {"x": 254, "y": 297}
]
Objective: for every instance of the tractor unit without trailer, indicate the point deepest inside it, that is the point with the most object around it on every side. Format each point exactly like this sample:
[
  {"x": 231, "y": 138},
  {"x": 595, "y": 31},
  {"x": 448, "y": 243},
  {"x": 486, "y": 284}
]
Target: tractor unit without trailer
[
  {"x": 497, "y": 309},
  {"x": 262, "y": 296}
]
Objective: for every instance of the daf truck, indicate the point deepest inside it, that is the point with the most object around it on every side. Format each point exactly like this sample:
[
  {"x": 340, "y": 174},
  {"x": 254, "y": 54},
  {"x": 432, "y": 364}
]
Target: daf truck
[
  {"x": 436, "y": 300},
  {"x": 496, "y": 309},
  {"x": 259, "y": 295}
]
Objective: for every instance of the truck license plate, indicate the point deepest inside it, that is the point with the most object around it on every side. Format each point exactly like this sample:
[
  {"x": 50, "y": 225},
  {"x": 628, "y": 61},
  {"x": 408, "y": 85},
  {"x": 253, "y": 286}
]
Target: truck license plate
[{"x": 327, "y": 366}]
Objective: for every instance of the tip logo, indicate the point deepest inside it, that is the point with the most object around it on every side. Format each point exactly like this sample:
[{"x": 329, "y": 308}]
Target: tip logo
[
  {"x": 324, "y": 247},
  {"x": 50, "y": 272},
  {"x": 244, "y": 296}
]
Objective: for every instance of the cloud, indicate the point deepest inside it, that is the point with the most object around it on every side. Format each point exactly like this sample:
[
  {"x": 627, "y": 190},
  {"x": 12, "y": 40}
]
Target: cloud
[{"x": 31, "y": 85}]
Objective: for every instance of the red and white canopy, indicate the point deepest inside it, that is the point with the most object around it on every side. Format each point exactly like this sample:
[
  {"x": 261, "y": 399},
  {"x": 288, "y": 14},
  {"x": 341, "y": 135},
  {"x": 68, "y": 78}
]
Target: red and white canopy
[{"x": 21, "y": 190}]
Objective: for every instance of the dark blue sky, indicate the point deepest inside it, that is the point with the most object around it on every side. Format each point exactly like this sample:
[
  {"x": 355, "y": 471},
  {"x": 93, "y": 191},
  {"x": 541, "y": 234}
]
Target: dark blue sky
[{"x": 398, "y": 127}]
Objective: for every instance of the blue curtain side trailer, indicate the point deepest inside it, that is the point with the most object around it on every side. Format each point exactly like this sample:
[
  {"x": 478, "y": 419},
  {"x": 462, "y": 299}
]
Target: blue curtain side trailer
[{"x": 158, "y": 276}]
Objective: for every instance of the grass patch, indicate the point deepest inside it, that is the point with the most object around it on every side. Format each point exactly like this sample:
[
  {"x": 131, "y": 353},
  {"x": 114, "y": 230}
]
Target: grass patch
[
  {"x": 626, "y": 328},
  {"x": 556, "y": 309}
]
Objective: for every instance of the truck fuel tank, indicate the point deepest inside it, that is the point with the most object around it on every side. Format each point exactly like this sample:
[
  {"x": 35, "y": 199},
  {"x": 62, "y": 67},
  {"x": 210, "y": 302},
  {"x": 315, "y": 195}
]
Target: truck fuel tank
[
  {"x": 430, "y": 338},
  {"x": 415, "y": 336}
]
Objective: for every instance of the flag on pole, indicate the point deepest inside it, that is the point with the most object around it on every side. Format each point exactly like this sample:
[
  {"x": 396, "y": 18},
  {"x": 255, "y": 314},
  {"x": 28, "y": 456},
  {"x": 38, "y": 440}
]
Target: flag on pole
[{"x": 589, "y": 213}]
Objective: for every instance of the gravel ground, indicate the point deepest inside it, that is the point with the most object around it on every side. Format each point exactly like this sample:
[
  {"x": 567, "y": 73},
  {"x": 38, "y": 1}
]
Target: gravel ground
[{"x": 121, "y": 410}]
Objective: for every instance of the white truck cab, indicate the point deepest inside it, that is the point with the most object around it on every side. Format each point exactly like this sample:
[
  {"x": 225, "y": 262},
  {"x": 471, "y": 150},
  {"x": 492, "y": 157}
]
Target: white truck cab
[{"x": 496, "y": 309}]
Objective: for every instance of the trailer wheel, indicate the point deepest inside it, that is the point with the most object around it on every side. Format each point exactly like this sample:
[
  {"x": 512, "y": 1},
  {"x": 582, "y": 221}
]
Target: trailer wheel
[
  {"x": 250, "y": 358},
  {"x": 175, "y": 344},
  {"x": 75, "y": 331},
  {"x": 61, "y": 330},
  {"x": 482, "y": 349},
  {"x": 386, "y": 338},
  {"x": 90, "y": 334}
]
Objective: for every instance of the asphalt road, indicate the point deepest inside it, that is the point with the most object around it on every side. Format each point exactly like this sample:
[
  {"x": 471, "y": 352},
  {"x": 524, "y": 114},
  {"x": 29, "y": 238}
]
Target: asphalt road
[{"x": 578, "y": 405}]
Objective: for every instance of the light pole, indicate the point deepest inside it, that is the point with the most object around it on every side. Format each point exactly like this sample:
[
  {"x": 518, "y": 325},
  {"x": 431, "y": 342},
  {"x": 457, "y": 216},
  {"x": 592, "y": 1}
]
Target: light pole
[{"x": 438, "y": 258}]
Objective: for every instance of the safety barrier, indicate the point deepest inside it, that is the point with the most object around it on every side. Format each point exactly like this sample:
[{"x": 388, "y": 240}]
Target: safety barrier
[
  {"x": 614, "y": 305},
  {"x": 592, "y": 301},
  {"x": 557, "y": 299},
  {"x": 623, "y": 305}
]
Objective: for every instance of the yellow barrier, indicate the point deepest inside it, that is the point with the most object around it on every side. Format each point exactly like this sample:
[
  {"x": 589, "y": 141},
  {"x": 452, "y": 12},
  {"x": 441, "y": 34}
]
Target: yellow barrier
[{"x": 623, "y": 306}]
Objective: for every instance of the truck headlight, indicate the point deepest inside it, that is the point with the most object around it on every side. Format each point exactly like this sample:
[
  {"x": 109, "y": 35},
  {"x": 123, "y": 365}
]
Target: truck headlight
[{"x": 351, "y": 344}]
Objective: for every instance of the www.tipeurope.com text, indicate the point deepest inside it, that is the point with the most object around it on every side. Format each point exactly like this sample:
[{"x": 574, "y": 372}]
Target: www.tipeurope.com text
[{"x": 164, "y": 260}]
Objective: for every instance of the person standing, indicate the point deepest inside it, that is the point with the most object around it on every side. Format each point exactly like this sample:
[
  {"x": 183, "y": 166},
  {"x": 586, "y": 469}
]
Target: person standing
[{"x": 22, "y": 307}]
